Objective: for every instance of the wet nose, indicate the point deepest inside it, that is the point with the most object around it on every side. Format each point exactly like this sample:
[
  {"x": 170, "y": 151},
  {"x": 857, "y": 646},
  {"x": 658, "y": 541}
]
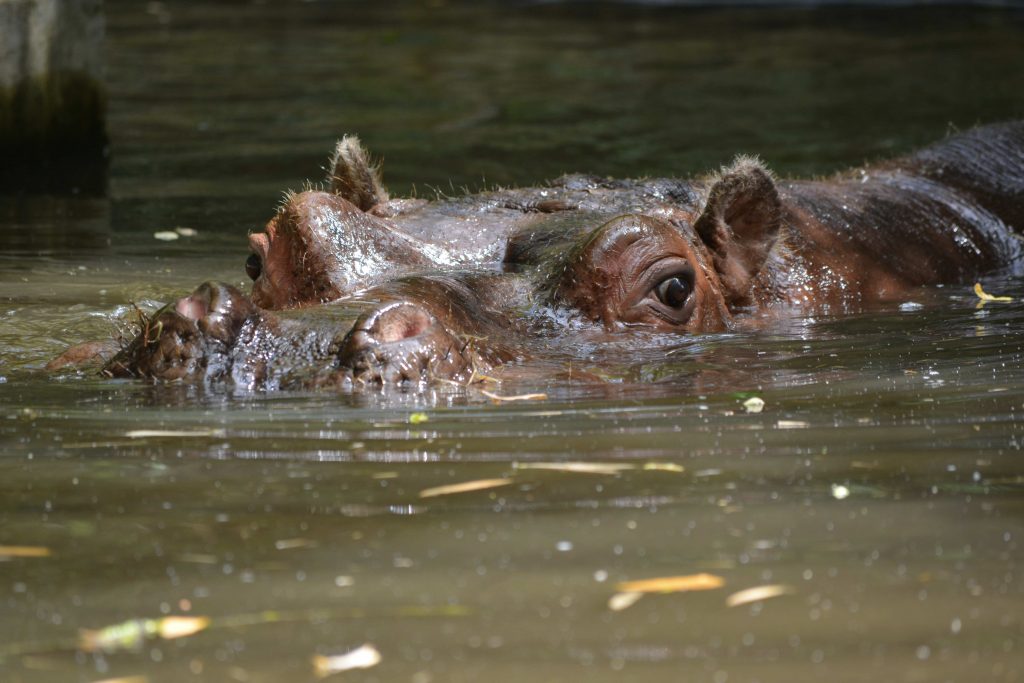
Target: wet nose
[
  {"x": 218, "y": 309},
  {"x": 196, "y": 305},
  {"x": 391, "y": 324},
  {"x": 402, "y": 341}
]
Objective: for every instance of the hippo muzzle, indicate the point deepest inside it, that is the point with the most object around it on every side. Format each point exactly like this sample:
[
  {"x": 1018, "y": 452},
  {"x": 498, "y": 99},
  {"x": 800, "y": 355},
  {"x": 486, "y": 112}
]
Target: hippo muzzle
[{"x": 190, "y": 337}]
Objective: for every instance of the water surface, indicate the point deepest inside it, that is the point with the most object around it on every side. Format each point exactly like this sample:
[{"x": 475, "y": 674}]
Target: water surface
[{"x": 880, "y": 486}]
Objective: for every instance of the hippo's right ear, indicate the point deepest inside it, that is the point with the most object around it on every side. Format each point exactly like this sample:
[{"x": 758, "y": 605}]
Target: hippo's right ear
[
  {"x": 353, "y": 177},
  {"x": 740, "y": 224}
]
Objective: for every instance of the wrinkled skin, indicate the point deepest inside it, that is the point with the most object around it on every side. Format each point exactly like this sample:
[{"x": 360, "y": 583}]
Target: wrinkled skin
[{"x": 406, "y": 291}]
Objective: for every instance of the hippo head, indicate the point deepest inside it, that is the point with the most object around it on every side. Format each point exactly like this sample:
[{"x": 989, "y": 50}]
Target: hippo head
[
  {"x": 680, "y": 274},
  {"x": 405, "y": 306},
  {"x": 323, "y": 245},
  {"x": 320, "y": 247}
]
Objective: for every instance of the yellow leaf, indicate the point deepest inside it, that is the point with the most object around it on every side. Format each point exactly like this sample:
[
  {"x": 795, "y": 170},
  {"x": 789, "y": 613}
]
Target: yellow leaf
[
  {"x": 362, "y": 657},
  {"x": 24, "y": 551},
  {"x": 756, "y": 594},
  {"x": 673, "y": 584},
  {"x": 129, "y": 635},
  {"x": 179, "y": 627},
  {"x": 985, "y": 296},
  {"x": 621, "y": 601},
  {"x": 497, "y": 398},
  {"x": 418, "y": 418},
  {"x": 576, "y": 467},
  {"x": 663, "y": 467},
  {"x": 464, "y": 487},
  {"x": 172, "y": 433}
]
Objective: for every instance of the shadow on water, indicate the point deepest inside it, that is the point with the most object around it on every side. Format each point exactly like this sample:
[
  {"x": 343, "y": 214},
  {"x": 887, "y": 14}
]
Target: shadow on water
[{"x": 878, "y": 491}]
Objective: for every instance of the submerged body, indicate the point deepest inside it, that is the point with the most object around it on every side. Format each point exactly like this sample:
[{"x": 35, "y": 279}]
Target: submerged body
[{"x": 409, "y": 290}]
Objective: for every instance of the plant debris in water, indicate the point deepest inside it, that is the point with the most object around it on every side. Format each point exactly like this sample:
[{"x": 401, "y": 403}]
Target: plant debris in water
[
  {"x": 985, "y": 296},
  {"x": 363, "y": 657},
  {"x": 631, "y": 591},
  {"x": 464, "y": 487},
  {"x": 754, "y": 404},
  {"x": 130, "y": 635},
  {"x": 673, "y": 584},
  {"x": 498, "y": 398},
  {"x": 576, "y": 467},
  {"x": 8, "y": 551},
  {"x": 583, "y": 467},
  {"x": 757, "y": 594}
]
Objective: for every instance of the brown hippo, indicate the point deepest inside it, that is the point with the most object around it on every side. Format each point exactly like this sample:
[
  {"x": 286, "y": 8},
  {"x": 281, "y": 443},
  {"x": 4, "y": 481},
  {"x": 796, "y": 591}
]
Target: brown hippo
[{"x": 409, "y": 290}]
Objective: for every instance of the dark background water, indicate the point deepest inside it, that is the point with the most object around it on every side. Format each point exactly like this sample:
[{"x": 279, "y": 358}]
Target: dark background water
[{"x": 881, "y": 484}]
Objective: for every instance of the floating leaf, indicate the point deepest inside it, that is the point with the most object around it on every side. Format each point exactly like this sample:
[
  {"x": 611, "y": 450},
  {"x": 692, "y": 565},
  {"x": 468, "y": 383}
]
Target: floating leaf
[
  {"x": 840, "y": 492},
  {"x": 576, "y": 467},
  {"x": 497, "y": 398},
  {"x": 673, "y": 584},
  {"x": 152, "y": 433},
  {"x": 292, "y": 543},
  {"x": 363, "y": 657},
  {"x": 186, "y": 232},
  {"x": 129, "y": 635},
  {"x": 24, "y": 551},
  {"x": 166, "y": 235},
  {"x": 621, "y": 601},
  {"x": 985, "y": 296},
  {"x": 663, "y": 467},
  {"x": 418, "y": 418},
  {"x": 757, "y": 594},
  {"x": 170, "y": 628},
  {"x": 464, "y": 487},
  {"x": 792, "y": 424},
  {"x": 754, "y": 404}
]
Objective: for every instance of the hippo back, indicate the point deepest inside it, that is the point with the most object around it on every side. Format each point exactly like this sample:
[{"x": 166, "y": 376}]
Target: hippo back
[{"x": 986, "y": 163}]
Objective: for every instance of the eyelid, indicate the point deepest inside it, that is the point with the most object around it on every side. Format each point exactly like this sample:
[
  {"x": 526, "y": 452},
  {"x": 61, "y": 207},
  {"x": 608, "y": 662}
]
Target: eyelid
[{"x": 661, "y": 270}]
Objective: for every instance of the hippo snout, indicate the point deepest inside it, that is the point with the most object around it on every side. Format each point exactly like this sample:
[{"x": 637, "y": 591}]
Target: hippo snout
[
  {"x": 188, "y": 338},
  {"x": 404, "y": 342}
]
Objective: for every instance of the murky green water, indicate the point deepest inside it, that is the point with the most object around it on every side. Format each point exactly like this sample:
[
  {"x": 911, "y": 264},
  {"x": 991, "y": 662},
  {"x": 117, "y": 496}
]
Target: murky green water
[{"x": 881, "y": 485}]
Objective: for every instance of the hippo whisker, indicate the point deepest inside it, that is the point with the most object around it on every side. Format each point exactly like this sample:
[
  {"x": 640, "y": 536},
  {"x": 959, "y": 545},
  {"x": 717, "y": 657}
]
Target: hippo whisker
[{"x": 156, "y": 331}]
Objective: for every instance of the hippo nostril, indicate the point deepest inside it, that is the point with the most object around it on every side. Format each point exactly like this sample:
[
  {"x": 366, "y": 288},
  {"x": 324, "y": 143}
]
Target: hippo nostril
[
  {"x": 194, "y": 307},
  {"x": 399, "y": 322}
]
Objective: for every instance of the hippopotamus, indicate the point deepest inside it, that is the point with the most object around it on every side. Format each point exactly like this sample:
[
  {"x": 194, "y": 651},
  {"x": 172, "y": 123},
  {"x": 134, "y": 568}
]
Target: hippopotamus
[{"x": 352, "y": 287}]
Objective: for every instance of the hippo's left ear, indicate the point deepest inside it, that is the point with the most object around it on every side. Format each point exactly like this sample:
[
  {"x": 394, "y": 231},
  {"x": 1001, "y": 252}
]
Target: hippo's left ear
[
  {"x": 739, "y": 225},
  {"x": 353, "y": 176}
]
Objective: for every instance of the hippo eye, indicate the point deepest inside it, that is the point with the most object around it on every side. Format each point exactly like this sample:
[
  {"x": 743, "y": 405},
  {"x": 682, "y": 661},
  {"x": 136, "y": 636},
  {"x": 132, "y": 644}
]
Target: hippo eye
[
  {"x": 253, "y": 266},
  {"x": 674, "y": 292}
]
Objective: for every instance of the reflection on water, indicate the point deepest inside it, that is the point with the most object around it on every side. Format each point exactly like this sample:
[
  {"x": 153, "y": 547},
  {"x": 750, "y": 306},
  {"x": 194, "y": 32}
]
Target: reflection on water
[{"x": 880, "y": 485}]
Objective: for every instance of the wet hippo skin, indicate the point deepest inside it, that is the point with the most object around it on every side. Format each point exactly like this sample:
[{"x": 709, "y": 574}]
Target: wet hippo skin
[{"x": 352, "y": 287}]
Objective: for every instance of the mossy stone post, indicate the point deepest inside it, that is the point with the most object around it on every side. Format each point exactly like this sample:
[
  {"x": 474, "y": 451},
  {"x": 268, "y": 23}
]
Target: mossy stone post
[{"x": 52, "y": 103}]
